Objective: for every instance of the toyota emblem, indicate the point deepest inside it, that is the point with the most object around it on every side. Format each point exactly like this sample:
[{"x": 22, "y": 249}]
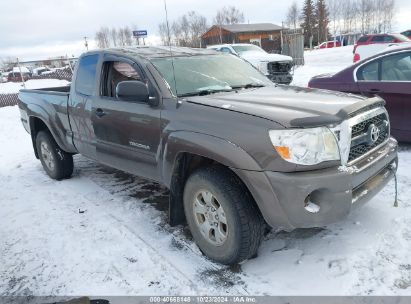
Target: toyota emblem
[{"x": 373, "y": 134}]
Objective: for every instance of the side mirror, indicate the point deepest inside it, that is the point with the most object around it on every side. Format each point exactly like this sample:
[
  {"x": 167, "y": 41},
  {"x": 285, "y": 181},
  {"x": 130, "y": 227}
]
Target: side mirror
[{"x": 132, "y": 91}]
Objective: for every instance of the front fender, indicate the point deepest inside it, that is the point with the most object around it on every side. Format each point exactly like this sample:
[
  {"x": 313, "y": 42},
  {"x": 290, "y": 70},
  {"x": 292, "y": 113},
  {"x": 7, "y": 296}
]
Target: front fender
[{"x": 212, "y": 147}]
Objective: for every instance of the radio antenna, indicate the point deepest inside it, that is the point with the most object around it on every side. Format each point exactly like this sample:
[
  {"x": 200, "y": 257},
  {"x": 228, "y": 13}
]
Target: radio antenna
[{"x": 171, "y": 51}]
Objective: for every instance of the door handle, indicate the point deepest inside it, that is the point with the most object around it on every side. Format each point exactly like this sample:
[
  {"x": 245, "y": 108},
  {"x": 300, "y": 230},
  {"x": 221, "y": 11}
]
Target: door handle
[
  {"x": 100, "y": 113},
  {"x": 375, "y": 91}
]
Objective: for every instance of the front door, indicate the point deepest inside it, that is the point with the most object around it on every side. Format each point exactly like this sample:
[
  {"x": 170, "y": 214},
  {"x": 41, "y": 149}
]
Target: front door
[{"x": 127, "y": 132}]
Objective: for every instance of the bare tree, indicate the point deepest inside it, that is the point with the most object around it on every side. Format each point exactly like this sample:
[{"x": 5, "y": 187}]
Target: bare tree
[
  {"x": 121, "y": 37},
  {"x": 292, "y": 15},
  {"x": 228, "y": 15},
  {"x": 322, "y": 19},
  {"x": 128, "y": 34},
  {"x": 335, "y": 10},
  {"x": 103, "y": 37},
  {"x": 388, "y": 13},
  {"x": 113, "y": 36},
  {"x": 347, "y": 15},
  {"x": 185, "y": 31},
  {"x": 7, "y": 63},
  {"x": 163, "y": 32},
  {"x": 198, "y": 26}
]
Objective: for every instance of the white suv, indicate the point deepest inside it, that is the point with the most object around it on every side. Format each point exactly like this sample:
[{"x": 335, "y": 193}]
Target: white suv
[{"x": 275, "y": 66}]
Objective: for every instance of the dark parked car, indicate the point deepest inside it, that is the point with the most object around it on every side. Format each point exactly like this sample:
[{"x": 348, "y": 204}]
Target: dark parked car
[
  {"x": 17, "y": 77},
  {"x": 387, "y": 75},
  {"x": 235, "y": 150}
]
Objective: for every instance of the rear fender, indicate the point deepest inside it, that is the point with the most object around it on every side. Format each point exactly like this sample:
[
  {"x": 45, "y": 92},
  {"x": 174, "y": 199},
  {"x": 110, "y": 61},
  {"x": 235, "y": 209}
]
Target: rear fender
[{"x": 54, "y": 125}]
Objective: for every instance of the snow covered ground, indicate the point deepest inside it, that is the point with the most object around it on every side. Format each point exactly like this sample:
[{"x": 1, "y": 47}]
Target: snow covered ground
[
  {"x": 322, "y": 61},
  {"x": 105, "y": 232}
]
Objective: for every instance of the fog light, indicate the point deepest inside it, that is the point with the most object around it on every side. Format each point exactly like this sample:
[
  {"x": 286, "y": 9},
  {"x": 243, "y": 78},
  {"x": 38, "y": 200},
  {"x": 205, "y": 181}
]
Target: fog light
[{"x": 310, "y": 206}]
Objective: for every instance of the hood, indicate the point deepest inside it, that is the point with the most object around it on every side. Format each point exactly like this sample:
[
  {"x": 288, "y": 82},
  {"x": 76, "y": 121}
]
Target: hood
[
  {"x": 289, "y": 106},
  {"x": 262, "y": 56}
]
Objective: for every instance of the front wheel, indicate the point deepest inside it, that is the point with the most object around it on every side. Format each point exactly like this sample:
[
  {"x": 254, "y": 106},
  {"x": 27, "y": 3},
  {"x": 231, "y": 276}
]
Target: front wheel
[
  {"x": 222, "y": 215},
  {"x": 57, "y": 163}
]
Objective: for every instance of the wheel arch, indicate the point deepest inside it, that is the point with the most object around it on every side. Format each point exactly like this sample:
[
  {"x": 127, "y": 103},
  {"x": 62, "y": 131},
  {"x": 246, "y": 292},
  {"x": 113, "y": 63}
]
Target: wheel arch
[
  {"x": 187, "y": 151},
  {"x": 40, "y": 119}
]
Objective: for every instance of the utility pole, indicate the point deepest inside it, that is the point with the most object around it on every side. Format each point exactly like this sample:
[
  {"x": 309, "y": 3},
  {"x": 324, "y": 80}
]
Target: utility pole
[
  {"x": 86, "y": 42},
  {"x": 21, "y": 74}
]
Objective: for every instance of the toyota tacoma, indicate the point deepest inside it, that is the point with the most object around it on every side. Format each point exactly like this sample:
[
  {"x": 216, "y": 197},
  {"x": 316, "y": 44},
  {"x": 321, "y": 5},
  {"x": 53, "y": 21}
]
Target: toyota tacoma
[{"x": 236, "y": 151}]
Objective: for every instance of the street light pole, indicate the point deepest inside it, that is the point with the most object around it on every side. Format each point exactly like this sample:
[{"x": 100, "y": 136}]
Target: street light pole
[{"x": 86, "y": 42}]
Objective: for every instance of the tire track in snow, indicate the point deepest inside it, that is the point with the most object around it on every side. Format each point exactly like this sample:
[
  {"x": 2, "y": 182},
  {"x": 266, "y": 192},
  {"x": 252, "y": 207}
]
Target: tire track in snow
[{"x": 120, "y": 184}]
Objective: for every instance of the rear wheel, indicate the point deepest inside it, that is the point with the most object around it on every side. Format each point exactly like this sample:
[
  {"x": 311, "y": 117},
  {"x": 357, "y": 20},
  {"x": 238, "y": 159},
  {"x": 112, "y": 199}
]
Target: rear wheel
[
  {"x": 222, "y": 216},
  {"x": 57, "y": 163}
]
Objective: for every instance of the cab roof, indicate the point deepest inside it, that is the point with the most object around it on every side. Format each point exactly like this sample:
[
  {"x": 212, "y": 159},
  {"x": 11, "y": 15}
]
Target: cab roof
[{"x": 151, "y": 52}]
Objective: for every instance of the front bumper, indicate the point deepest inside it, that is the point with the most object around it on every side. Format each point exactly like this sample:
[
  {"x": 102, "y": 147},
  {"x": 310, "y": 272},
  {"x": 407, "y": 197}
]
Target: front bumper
[
  {"x": 282, "y": 197},
  {"x": 280, "y": 78}
]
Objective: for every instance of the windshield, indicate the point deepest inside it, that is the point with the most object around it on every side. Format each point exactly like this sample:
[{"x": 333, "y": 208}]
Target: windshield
[
  {"x": 198, "y": 75},
  {"x": 246, "y": 48}
]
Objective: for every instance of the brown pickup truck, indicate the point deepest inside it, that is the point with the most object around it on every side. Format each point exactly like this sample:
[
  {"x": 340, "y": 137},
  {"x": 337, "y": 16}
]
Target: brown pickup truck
[{"x": 236, "y": 151}]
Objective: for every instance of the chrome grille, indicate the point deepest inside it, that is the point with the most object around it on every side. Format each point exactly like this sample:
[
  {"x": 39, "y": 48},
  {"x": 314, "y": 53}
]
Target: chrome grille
[
  {"x": 361, "y": 138},
  {"x": 363, "y": 126},
  {"x": 279, "y": 67}
]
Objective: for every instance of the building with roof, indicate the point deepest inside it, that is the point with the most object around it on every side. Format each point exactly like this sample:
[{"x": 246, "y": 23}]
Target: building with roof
[{"x": 266, "y": 35}]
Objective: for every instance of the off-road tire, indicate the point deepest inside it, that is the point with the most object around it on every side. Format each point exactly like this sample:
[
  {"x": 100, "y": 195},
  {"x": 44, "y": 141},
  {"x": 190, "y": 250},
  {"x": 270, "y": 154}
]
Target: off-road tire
[
  {"x": 62, "y": 161},
  {"x": 245, "y": 224}
]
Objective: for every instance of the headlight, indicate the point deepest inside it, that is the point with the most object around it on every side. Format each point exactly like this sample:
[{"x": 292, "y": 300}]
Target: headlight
[
  {"x": 262, "y": 66},
  {"x": 305, "y": 146}
]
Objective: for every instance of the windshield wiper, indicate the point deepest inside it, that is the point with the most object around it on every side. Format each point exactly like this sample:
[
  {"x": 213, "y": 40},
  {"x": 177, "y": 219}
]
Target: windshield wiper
[
  {"x": 248, "y": 86},
  {"x": 203, "y": 92},
  {"x": 213, "y": 91}
]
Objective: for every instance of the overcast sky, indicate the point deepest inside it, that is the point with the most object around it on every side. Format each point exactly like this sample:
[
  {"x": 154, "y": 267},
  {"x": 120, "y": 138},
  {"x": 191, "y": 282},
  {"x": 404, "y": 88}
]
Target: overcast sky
[{"x": 38, "y": 29}]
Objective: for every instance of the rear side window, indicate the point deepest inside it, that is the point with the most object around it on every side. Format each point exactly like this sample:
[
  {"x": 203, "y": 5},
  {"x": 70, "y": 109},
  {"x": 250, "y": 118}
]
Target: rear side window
[
  {"x": 86, "y": 75},
  {"x": 396, "y": 67},
  {"x": 363, "y": 39},
  {"x": 368, "y": 72}
]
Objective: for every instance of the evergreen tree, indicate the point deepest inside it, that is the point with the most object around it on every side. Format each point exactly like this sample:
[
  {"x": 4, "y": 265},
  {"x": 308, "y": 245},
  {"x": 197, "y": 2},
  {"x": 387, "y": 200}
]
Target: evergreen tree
[
  {"x": 308, "y": 19},
  {"x": 322, "y": 21}
]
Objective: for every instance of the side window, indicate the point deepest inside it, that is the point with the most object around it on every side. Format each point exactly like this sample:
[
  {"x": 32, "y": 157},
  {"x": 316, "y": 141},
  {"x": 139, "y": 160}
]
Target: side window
[
  {"x": 396, "y": 67},
  {"x": 368, "y": 72},
  {"x": 377, "y": 39},
  {"x": 86, "y": 75},
  {"x": 115, "y": 72},
  {"x": 363, "y": 39},
  {"x": 388, "y": 39}
]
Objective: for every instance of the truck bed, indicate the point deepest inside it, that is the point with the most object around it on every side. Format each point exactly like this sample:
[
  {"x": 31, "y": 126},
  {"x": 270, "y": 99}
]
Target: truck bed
[{"x": 50, "y": 104}]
